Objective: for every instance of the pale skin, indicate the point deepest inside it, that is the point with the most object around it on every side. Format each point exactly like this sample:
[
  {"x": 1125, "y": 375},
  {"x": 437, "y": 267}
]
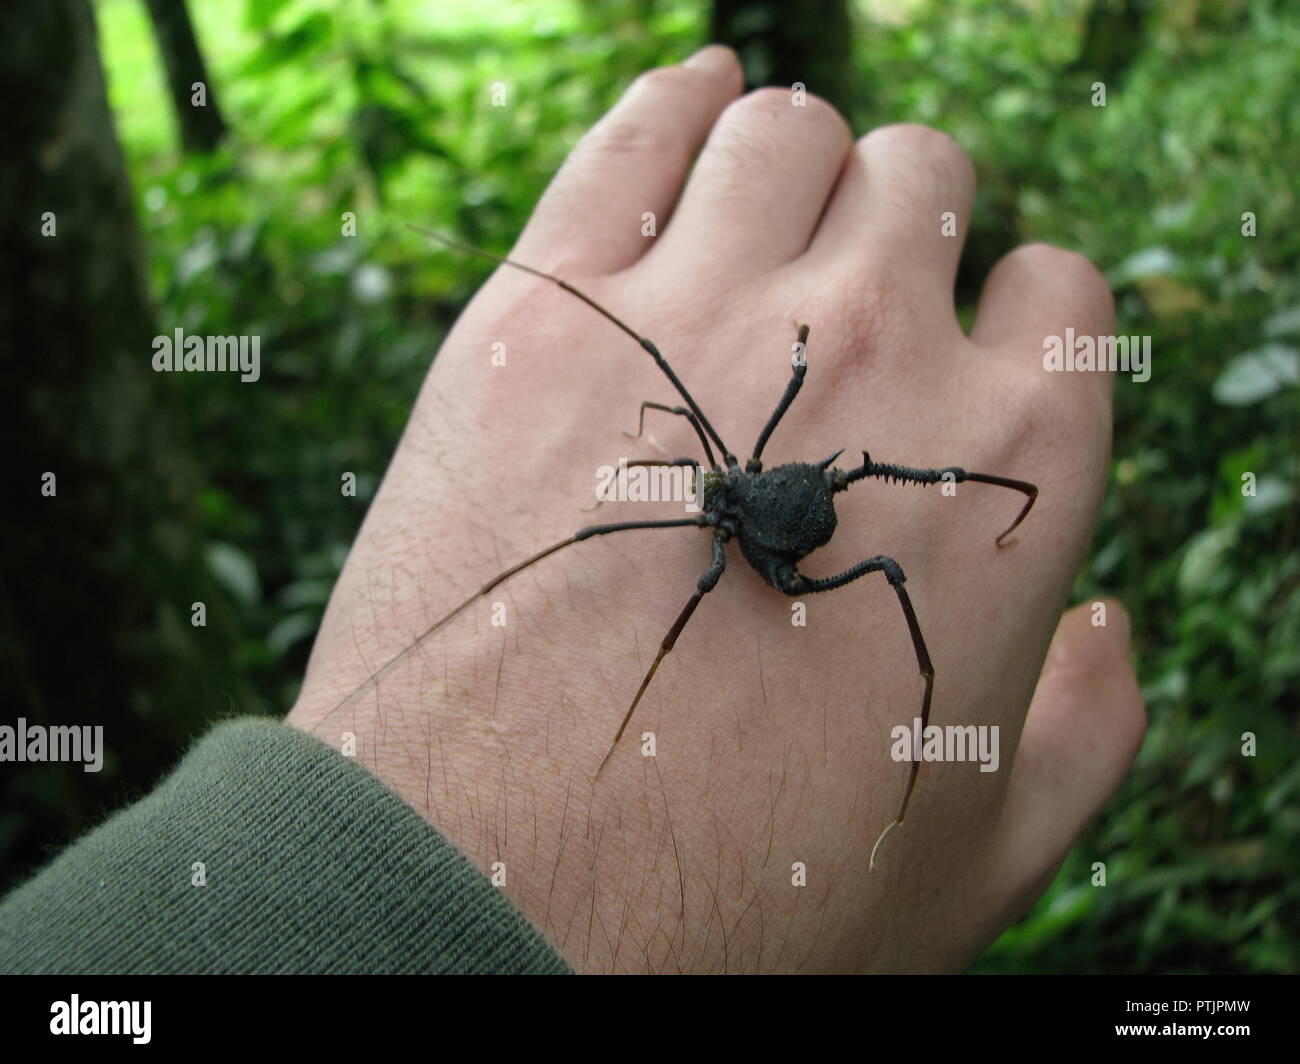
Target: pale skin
[{"x": 771, "y": 740}]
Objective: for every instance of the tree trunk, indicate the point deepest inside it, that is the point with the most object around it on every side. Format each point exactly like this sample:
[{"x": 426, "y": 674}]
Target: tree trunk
[
  {"x": 97, "y": 578},
  {"x": 202, "y": 127},
  {"x": 781, "y": 43},
  {"x": 1114, "y": 36}
]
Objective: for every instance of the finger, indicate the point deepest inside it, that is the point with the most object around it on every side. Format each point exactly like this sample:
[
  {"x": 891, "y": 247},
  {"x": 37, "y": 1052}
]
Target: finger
[
  {"x": 903, "y": 205},
  {"x": 1036, "y": 291},
  {"x": 1084, "y": 727},
  {"x": 1042, "y": 308},
  {"x": 762, "y": 181},
  {"x": 633, "y": 161}
]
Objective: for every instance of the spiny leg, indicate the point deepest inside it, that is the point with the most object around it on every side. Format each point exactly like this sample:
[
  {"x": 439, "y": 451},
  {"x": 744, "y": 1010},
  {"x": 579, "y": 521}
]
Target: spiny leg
[
  {"x": 681, "y": 411},
  {"x": 754, "y": 465},
  {"x": 649, "y": 347},
  {"x": 704, "y": 585},
  {"x": 933, "y": 476},
  {"x": 582, "y": 534},
  {"x": 797, "y": 583}
]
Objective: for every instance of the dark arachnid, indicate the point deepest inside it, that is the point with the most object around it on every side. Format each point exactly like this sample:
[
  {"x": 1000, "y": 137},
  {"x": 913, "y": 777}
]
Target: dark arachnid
[{"x": 777, "y": 516}]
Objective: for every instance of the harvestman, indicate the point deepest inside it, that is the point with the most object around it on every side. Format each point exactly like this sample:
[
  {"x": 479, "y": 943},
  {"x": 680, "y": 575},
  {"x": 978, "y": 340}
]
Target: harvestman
[{"x": 778, "y": 516}]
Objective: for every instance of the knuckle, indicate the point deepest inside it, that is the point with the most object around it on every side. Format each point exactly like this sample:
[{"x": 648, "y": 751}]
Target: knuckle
[
  {"x": 1088, "y": 288},
  {"x": 934, "y": 146},
  {"x": 622, "y": 136},
  {"x": 1038, "y": 256},
  {"x": 883, "y": 297},
  {"x": 1027, "y": 414},
  {"x": 1050, "y": 411},
  {"x": 763, "y": 101},
  {"x": 913, "y": 137},
  {"x": 671, "y": 87},
  {"x": 876, "y": 316},
  {"x": 647, "y": 127},
  {"x": 1035, "y": 402},
  {"x": 829, "y": 122},
  {"x": 762, "y": 126},
  {"x": 661, "y": 79},
  {"x": 763, "y": 106}
]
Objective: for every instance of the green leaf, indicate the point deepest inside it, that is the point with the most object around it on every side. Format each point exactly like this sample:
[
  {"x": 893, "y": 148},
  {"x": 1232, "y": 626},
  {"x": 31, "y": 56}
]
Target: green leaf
[
  {"x": 1149, "y": 262},
  {"x": 1271, "y": 493},
  {"x": 291, "y": 630},
  {"x": 1204, "y": 567},
  {"x": 261, "y": 13},
  {"x": 235, "y": 571},
  {"x": 1284, "y": 323},
  {"x": 1257, "y": 374}
]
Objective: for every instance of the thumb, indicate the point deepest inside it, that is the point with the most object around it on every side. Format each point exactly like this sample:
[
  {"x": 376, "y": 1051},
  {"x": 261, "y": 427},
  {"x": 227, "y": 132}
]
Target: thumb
[{"x": 1083, "y": 730}]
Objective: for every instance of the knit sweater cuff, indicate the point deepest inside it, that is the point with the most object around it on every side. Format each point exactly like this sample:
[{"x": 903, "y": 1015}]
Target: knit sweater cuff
[{"x": 307, "y": 863}]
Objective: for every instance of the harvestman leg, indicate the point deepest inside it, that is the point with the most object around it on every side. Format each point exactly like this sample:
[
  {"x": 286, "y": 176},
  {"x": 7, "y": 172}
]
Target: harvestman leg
[
  {"x": 583, "y": 533},
  {"x": 908, "y": 475},
  {"x": 649, "y": 462},
  {"x": 754, "y": 465},
  {"x": 645, "y": 342},
  {"x": 799, "y": 584},
  {"x": 680, "y": 411},
  {"x": 704, "y": 585}
]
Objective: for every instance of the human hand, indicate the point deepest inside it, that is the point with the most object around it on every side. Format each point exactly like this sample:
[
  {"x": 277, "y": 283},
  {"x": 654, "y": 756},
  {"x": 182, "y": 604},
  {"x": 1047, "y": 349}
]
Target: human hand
[{"x": 772, "y": 740}]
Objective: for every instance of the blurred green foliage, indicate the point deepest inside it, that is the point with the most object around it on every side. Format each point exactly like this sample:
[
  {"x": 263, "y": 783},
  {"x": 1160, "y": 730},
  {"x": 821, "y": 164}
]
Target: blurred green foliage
[{"x": 384, "y": 109}]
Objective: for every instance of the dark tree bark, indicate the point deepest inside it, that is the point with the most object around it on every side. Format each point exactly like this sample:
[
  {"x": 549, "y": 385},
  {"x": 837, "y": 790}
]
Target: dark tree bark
[
  {"x": 781, "y": 43},
  {"x": 201, "y": 128},
  {"x": 96, "y": 580},
  {"x": 1114, "y": 36}
]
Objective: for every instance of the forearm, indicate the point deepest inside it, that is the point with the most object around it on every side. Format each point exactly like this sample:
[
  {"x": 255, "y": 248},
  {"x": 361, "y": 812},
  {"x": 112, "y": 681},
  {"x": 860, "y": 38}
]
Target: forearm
[{"x": 264, "y": 851}]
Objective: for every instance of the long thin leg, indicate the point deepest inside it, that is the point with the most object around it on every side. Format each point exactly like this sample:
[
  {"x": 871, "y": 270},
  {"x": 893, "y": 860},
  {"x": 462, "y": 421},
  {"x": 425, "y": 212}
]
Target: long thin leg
[
  {"x": 654, "y": 462},
  {"x": 799, "y": 584},
  {"x": 650, "y": 348},
  {"x": 681, "y": 411},
  {"x": 500, "y": 578},
  {"x": 705, "y": 584},
  {"x": 791, "y": 390},
  {"x": 933, "y": 476}
]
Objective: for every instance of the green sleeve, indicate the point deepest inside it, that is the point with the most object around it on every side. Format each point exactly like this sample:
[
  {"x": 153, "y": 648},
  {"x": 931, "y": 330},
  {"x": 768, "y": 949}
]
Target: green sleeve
[{"x": 312, "y": 865}]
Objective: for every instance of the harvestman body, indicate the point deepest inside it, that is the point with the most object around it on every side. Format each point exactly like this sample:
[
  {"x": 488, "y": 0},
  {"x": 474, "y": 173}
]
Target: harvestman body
[{"x": 777, "y": 516}]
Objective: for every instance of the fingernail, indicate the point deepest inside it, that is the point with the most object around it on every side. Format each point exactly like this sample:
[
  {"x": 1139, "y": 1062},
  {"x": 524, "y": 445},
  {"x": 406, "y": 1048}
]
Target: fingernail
[{"x": 713, "y": 59}]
